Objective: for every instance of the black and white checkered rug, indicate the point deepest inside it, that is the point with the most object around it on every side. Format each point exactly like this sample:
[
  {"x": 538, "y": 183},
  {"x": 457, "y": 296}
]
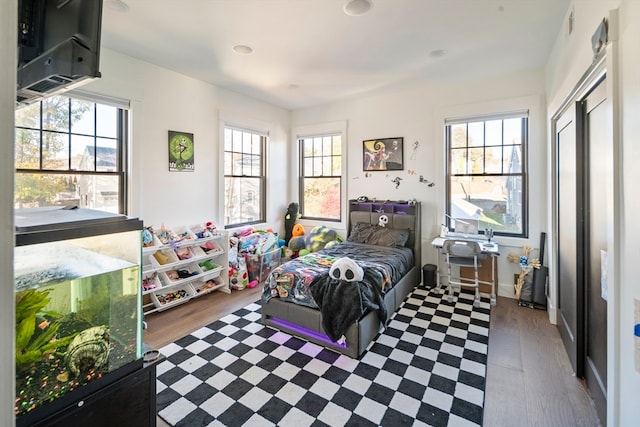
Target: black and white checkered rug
[{"x": 427, "y": 368}]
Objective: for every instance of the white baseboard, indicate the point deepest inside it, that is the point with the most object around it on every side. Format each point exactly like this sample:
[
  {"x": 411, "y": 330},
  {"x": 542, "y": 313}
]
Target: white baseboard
[{"x": 506, "y": 290}]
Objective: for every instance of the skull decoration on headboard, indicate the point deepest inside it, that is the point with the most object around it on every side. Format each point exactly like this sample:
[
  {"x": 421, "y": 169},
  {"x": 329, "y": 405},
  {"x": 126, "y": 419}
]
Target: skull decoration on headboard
[{"x": 383, "y": 220}]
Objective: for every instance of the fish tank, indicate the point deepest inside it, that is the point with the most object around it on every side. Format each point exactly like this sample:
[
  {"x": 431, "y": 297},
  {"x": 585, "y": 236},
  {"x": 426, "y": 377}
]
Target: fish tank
[{"x": 78, "y": 296}]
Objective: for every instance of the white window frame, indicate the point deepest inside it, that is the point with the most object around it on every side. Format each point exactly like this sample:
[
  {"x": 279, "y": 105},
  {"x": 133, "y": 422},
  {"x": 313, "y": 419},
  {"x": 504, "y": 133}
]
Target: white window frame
[
  {"x": 261, "y": 178},
  {"x": 228, "y": 119},
  {"x": 523, "y": 174},
  {"x": 122, "y": 169},
  {"x": 329, "y": 128},
  {"x": 539, "y": 184}
]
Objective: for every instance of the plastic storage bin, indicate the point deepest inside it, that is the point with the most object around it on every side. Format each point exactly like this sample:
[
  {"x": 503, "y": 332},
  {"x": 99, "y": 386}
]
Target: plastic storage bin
[
  {"x": 172, "y": 296},
  {"x": 260, "y": 265}
]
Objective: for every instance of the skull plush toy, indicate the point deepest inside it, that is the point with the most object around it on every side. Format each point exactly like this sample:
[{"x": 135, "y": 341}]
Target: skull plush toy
[
  {"x": 346, "y": 269},
  {"x": 383, "y": 220}
]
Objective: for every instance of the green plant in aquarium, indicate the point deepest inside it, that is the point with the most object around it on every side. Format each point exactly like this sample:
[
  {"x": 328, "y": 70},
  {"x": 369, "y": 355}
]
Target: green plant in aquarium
[{"x": 35, "y": 333}]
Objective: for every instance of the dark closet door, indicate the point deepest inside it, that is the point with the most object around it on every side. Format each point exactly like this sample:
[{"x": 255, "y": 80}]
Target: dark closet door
[
  {"x": 598, "y": 174},
  {"x": 570, "y": 295}
]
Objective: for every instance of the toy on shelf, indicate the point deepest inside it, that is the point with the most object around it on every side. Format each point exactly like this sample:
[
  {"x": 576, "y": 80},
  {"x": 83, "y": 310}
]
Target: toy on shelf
[
  {"x": 166, "y": 235},
  {"x": 204, "y": 231},
  {"x": 150, "y": 282},
  {"x": 207, "y": 265},
  {"x": 207, "y": 286},
  {"x": 170, "y": 297},
  {"x": 147, "y": 237},
  {"x": 184, "y": 253},
  {"x": 161, "y": 258}
]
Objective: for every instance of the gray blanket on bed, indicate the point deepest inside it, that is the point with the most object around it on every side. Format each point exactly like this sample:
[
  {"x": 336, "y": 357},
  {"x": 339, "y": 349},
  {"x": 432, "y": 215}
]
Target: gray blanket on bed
[{"x": 330, "y": 295}]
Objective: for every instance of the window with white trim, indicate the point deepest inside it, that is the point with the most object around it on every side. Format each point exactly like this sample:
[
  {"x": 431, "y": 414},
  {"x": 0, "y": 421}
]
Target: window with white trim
[
  {"x": 244, "y": 177},
  {"x": 321, "y": 177},
  {"x": 487, "y": 172},
  {"x": 71, "y": 152}
]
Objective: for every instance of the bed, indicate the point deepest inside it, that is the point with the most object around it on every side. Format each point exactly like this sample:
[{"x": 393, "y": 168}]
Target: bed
[{"x": 390, "y": 274}]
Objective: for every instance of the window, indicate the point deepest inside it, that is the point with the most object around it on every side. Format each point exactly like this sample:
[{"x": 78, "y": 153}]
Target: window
[
  {"x": 321, "y": 177},
  {"x": 70, "y": 152},
  {"x": 486, "y": 170},
  {"x": 244, "y": 177}
]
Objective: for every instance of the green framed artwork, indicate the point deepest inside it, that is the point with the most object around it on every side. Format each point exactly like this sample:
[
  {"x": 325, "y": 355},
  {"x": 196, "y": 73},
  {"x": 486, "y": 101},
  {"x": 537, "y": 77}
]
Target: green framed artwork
[{"x": 181, "y": 152}]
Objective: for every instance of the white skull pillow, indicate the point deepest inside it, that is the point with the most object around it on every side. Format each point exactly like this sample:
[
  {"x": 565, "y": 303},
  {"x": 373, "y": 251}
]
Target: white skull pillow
[
  {"x": 346, "y": 269},
  {"x": 383, "y": 220}
]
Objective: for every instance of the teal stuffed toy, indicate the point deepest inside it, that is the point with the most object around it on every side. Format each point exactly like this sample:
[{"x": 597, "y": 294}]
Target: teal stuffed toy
[{"x": 319, "y": 238}]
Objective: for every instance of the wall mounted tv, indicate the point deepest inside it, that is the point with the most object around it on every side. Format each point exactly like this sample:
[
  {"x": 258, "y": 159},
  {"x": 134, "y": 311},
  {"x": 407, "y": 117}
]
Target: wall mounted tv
[{"x": 58, "y": 46}]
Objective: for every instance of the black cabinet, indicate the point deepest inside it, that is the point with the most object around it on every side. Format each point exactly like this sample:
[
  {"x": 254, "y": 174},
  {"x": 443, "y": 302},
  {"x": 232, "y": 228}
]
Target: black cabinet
[{"x": 130, "y": 401}]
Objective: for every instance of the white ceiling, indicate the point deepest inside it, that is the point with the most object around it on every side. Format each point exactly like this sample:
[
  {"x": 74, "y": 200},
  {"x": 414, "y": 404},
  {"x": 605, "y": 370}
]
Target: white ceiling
[{"x": 309, "y": 52}]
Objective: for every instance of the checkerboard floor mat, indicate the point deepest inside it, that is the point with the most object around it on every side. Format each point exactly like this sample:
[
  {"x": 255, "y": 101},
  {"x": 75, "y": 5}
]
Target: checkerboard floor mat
[{"x": 427, "y": 368}]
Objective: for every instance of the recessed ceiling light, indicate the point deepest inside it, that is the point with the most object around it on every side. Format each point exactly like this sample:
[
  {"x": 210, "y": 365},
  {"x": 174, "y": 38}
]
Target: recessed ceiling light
[
  {"x": 357, "y": 7},
  {"x": 242, "y": 49},
  {"x": 117, "y": 5},
  {"x": 438, "y": 53}
]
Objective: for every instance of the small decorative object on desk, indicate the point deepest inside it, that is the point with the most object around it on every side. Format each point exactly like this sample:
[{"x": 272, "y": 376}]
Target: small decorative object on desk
[{"x": 527, "y": 265}]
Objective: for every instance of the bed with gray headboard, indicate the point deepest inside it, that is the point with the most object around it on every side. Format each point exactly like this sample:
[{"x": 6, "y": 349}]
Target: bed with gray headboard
[{"x": 302, "y": 299}]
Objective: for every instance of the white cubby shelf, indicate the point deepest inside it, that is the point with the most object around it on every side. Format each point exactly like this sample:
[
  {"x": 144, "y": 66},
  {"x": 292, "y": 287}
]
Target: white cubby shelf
[{"x": 176, "y": 272}]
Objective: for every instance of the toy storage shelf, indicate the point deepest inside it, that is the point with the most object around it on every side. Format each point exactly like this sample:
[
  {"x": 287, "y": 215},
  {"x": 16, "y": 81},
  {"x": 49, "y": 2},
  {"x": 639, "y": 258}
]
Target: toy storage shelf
[{"x": 177, "y": 272}]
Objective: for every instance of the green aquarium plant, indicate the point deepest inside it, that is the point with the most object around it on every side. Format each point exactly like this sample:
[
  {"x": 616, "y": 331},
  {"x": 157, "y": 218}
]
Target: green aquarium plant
[{"x": 36, "y": 329}]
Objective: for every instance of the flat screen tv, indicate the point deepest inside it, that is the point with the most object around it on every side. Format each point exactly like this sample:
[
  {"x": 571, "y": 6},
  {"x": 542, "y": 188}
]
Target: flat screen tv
[{"x": 58, "y": 46}]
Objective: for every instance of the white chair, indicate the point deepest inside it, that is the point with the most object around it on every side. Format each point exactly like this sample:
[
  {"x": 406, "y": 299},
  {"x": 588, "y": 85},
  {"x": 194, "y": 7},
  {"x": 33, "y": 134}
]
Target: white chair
[{"x": 462, "y": 253}]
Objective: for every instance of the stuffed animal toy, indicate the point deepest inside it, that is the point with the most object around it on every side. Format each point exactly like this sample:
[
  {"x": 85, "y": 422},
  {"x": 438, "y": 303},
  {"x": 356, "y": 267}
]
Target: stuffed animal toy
[
  {"x": 319, "y": 238},
  {"x": 206, "y": 231},
  {"x": 383, "y": 220},
  {"x": 298, "y": 230},
  {"x": 147, "y": 237},
  {"x": 290, "y": 221},
  {"x": 296, "y": 243},
  {"x": 346, "y": 269}
]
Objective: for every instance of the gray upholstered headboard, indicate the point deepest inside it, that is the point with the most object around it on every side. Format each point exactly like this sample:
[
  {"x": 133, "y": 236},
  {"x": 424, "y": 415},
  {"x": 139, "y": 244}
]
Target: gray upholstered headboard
[{"x": 401, "y": 219}]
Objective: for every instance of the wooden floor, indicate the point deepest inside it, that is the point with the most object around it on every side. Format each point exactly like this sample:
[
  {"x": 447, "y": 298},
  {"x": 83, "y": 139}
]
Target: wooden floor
[{"x": 529, "y": 378}]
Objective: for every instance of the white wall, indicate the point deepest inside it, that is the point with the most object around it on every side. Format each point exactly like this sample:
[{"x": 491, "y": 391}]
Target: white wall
[
  {"x": 8, "y": 43},
  {"x": 571, "y": 57},
  {"x": 628, "y": 389},
  {"x": 162, "y": 100},
  {"x": 416, "y": 112}
]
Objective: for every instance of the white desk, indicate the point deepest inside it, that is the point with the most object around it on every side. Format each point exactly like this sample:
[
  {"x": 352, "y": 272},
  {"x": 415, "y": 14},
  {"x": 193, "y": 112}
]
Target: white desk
[{"x": 488, "y": 248}]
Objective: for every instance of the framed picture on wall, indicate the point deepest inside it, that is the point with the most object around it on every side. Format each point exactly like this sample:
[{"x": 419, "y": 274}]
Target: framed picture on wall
[
  {"x": 383, "y": 154},
  {"x": 181, "y": 152}
]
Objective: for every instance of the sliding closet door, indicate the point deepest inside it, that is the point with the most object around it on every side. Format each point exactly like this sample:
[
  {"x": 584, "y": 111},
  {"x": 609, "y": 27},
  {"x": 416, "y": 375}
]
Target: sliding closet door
[
  {"x": 570, "y": 295},
  {"x": 584, "y": 149},
  {"x": 599, "y": 146}
]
